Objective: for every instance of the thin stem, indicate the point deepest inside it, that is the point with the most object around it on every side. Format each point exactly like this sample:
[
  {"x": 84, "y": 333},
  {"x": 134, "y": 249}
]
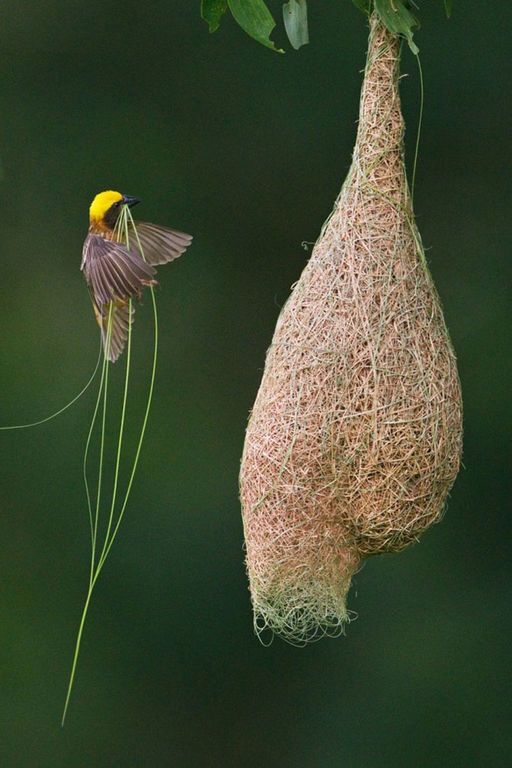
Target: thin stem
[
  {"x": 77, "y": 651},
  {"x": 93, "y": 575},
  {"x": 141, "y": 438},
  {"x": 420, "y": 122},
  {"x": 65, "y": 407},
  {"x": 84, "y": 466},
  {"x": 102, "y": 439},
  {"x": 121, "y": 430}
]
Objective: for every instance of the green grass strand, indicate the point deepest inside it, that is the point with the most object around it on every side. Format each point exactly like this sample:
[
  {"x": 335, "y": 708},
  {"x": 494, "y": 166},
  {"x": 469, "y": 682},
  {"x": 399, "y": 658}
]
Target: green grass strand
[
  {"x": 121, "y": 431},
  {"x": 64, "y": 408},
  {"x": 420, "y": 123},
  {"x": 142, "y": 433},
  {"x": 102, "y": 438},
  {"x": 84, "y": 465},
  {"x": 93, "y": 578},
  {"x": 77, "y": 652}
]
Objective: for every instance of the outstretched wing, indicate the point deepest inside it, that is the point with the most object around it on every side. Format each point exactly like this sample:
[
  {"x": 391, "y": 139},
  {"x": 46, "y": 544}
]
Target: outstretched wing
[
  {"x": 112, "y": 271},
  {"x": 113, "y": 275},
  {"x": 159, "y": 244}
]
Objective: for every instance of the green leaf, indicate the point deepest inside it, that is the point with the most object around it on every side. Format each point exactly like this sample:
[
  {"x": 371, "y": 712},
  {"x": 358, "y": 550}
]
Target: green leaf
[
  {"x": 212, "y": 11},
  {"x": 398, "y": 19},
  {"x": 363, "y": 5},
  {"x": 255, "y": 18},
  {"x": 295, "y": 15},
  {"x": 448, "y": 5}
]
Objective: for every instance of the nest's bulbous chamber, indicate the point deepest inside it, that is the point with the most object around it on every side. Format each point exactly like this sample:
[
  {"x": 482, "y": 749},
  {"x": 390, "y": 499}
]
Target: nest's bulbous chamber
[{"x": 355, "y": 437}]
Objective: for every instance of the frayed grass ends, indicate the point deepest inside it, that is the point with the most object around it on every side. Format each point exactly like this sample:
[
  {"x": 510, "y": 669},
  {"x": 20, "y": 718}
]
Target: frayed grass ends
[{"x": 301, "y": 609}]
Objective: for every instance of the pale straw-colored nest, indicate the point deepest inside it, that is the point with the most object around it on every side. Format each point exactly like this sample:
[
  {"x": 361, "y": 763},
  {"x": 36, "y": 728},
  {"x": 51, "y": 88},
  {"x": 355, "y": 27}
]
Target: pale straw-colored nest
[{"x": 355, "y": 437}]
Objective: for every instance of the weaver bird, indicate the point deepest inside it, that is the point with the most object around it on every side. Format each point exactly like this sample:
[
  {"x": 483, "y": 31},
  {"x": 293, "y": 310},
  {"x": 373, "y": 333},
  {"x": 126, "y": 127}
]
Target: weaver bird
[{"x": 116, "y": 272}]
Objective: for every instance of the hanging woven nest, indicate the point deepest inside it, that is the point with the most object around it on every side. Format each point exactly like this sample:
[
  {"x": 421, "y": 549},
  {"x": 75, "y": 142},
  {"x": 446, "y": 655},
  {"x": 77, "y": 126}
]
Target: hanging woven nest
[{"x": 355, "y": 437}]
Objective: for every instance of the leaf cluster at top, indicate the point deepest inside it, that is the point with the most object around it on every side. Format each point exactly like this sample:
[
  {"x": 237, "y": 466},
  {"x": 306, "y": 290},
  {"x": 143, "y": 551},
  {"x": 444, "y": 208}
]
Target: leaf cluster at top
[{"x": 256, "y": 19}]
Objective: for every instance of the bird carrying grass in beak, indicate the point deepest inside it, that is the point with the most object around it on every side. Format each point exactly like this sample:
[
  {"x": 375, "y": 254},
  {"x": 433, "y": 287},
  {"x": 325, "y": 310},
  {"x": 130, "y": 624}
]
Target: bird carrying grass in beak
[{"x": 119, "y": 262}]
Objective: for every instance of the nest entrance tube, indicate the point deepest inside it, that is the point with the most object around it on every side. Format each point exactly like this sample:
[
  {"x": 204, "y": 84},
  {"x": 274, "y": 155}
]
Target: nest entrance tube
[{"x": 355, "y": 437}]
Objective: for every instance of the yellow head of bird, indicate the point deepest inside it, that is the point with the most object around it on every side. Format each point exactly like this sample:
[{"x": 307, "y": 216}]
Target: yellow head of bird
[{"x": 106, "y": 206}]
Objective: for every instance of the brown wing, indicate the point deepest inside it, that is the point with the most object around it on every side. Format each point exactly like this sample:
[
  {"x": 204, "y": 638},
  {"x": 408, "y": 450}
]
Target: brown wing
[
  {"x": 112, "y": 271},
  {"x": 120, "y": 320},
  {"x": 159, "y": 244},
  {"x": 113, "y": 275}
]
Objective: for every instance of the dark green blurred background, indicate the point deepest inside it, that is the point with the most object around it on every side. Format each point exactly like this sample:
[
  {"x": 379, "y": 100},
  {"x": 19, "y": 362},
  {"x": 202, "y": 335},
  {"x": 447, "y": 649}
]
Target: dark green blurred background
[{"x": 247, "y": 150}]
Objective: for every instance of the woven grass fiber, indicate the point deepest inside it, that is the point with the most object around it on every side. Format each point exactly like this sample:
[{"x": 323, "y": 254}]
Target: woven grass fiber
[{"x": 355, "y": 437}]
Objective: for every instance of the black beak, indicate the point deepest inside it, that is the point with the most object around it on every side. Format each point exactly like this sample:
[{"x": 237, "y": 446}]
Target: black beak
[{"x": 130, "y": 201}]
